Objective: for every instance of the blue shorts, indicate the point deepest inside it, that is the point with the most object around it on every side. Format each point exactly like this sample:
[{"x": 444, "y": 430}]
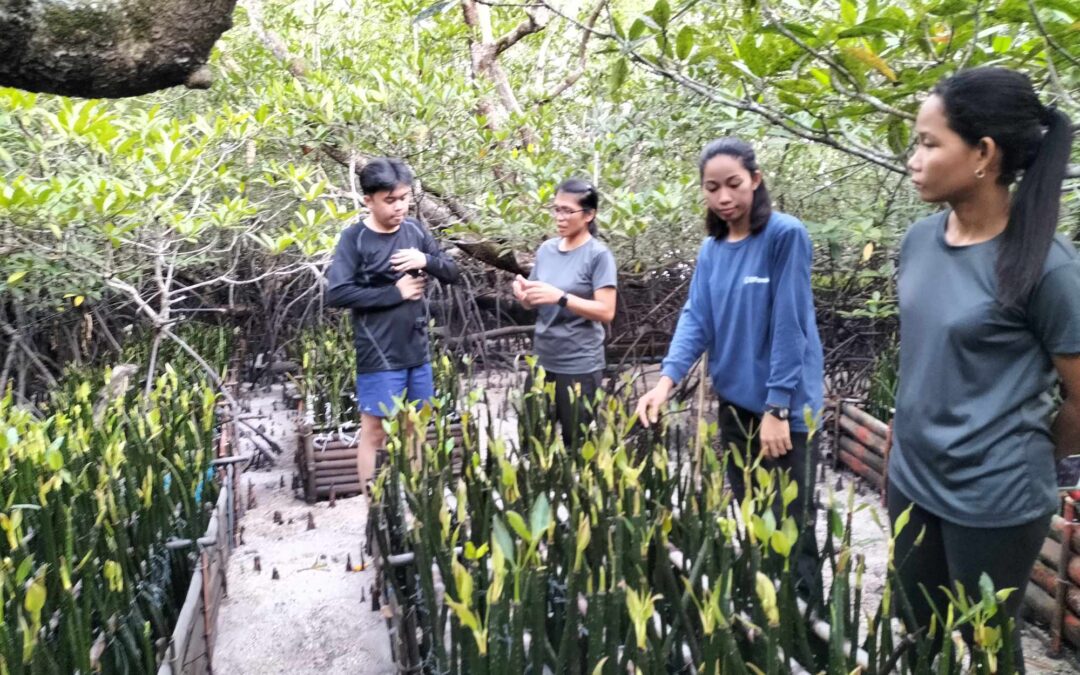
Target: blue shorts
[{"x": 375, "y": 392}]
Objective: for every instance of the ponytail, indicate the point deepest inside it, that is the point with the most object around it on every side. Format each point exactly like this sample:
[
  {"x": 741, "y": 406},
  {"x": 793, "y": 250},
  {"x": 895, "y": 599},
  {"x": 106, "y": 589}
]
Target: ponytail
[
  {"x": 1035, "y": 140},
  {"x": 1033, "y": 218}
]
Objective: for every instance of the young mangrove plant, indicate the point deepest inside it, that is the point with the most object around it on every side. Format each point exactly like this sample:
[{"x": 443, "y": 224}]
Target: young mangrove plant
[
  {"x": 90, "y": 499},
  {"x": 629, "y": 555}
]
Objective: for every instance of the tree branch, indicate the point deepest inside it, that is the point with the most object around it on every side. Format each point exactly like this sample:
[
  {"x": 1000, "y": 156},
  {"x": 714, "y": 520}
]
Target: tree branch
[
  {"x": 1046, "y": 35},
  {"x": 272, "y": 40},
  {"x": 877, "y": 103},
  {"x": 534, "y": 24},
  {"x": 776, "y": 118},
  {"x": 583, "y": 53},
  {"x": 16, "y": 337}
]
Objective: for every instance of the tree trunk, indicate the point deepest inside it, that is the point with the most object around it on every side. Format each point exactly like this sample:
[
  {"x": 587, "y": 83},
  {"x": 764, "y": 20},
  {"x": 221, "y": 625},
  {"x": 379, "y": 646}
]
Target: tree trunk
[{"x": 108, "y": 48}]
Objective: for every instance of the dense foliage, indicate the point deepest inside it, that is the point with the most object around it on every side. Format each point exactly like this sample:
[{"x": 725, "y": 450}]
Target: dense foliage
[{"x": 149, "y": 210}]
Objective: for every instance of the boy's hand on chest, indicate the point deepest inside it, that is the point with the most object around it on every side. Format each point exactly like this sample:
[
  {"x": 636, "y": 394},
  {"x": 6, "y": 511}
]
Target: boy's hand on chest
[{"x": 407, "y": 260}]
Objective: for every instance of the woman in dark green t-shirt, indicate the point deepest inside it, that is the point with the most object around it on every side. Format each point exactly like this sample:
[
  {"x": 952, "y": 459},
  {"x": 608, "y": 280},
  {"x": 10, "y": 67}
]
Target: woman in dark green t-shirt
[{"x": 989, "y": 321}]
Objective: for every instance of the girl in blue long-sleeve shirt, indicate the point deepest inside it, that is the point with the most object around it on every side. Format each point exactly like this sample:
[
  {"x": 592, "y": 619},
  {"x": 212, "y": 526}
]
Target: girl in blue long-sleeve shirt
[{"x": 751, "y": 307}]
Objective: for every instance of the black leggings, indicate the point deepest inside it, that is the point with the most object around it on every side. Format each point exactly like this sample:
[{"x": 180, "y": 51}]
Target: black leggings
[
  {"x": 740, "y": 427},
  {"x": 950, "y": 553},
  {"x": 570, "y": 408}
]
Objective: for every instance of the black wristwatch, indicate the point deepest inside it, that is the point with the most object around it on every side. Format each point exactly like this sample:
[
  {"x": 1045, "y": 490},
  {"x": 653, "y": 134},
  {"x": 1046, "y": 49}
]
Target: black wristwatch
[
  {"x": 564, "y": 299},
  {"x": 778, "y": 412}
]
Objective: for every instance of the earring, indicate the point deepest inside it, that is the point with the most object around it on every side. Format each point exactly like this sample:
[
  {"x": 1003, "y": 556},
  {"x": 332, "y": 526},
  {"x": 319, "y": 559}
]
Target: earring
[{"x": 980, "y": 173}]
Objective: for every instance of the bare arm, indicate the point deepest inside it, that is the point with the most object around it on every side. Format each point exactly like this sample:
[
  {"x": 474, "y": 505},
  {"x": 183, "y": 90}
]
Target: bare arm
[
  {"x": 600, "y": 308},
  {"x": 1066, "y": 427}
]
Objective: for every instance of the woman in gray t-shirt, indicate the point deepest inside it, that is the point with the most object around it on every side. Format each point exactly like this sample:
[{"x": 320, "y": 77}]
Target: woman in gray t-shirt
[
  {"x": 989, "y": 322},
  {"x": 572, "y": 286}
]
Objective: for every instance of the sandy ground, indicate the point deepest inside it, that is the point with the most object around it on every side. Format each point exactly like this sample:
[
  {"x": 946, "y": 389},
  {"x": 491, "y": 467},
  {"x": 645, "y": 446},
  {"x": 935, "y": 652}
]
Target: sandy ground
[{"x": 317, "y": 617}]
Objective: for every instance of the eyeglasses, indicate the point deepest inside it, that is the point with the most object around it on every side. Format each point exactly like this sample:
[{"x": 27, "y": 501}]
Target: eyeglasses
[{"x": 563, "y": 211}]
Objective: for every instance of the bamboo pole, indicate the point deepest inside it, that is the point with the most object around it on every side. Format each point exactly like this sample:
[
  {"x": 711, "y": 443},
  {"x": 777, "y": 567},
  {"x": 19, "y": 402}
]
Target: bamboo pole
[
  {"x": 1047, "y": 579},
  {"x": 1057, "y": 527},
  {"x": 1041, "y": 607},
  {"x": 329, "y": 465},
  {"x": 1050, "y": 554},
  {"x": 339, "y": 489},
  {"x": 863, "y": 454},
  {"x": 863, "y": 434},
  {"x": 862, "y": 469},
  {"x": 865, "y": 419}
]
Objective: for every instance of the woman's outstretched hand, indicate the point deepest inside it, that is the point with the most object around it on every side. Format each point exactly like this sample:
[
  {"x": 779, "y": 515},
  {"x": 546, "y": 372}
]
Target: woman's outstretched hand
[{"x": 648, "y": 407}]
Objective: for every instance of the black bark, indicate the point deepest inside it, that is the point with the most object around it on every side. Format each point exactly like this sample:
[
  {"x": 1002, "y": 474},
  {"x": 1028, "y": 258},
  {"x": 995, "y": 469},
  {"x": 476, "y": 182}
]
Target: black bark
[{"x": 108, "y": 48}]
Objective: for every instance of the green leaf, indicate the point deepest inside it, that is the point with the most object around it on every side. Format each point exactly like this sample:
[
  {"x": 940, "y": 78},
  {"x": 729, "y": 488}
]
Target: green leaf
[
  {"x": 791, "y": 493},
  {"x": 661, "y": 13},
  {"x": 796, "y": 28},
  {"x": 986, "y": 589},
  {"x": 790, "y": 99},
  {"x": 24, "y": 570},
  {"x": 503, "y": 541},
  {"x": 849, "y": 13},
  {"x": 752, "y": 56},
  {"x": 35, "y": 598},
  {"x": 898, "y": 136},
  {"x": 584, "y": 534},
  {"x": 947, "y": 7},
  {"x": 619, "y": 72},
  {"x": 684, "y": 43},
  {"x": 15, "y": 277},
  {"x": 1002, "y": 43},
  {"x": 54, "y": 459},
  {"x": 517, "y": 524},
  {"x": 539, "y": 517},
  {"x": 1068, "y": 7},
  {"x": 870, "y": 27},
  {"x": 780, "y": 543},
  {"x": 902, "y": 521},
  {"x": 802, "y": 86},
  {"x": 790, "y": 529},
  {"x": 821, "y": 76},
  {"x": 836, "y": 523},
  {"x": 616, "y": 26}
]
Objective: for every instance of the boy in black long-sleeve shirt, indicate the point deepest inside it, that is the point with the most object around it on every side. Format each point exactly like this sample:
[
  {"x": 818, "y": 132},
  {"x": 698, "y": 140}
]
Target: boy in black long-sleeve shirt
[{"x": 379, "y": 271}]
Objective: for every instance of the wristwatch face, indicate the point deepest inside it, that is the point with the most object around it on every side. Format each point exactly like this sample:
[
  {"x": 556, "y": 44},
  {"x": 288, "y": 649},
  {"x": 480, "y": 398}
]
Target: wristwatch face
[
  {"x": 562, "y": 300},
  {"x": 779, "y": 413}
]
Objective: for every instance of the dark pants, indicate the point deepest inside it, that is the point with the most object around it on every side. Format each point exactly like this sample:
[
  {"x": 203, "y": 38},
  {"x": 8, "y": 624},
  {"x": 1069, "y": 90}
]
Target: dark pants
[
  {"x": 950, "y": 553},
  {"x": 570, "y": 409},
  {"x": 740, "y": 427}
]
